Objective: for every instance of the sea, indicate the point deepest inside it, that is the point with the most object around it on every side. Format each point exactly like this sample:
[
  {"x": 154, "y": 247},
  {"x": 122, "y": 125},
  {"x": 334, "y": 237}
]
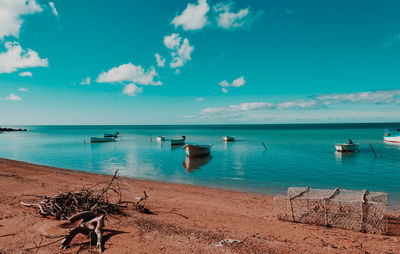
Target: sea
[{"x": 264, "y": 158}]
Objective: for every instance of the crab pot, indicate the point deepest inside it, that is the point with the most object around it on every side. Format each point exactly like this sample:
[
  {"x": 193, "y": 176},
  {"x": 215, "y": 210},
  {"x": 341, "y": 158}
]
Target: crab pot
[{"x": 362, "y": 211}]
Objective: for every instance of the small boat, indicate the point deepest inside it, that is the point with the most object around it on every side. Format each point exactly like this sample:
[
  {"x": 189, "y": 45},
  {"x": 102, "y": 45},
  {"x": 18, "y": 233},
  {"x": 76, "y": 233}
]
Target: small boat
[
  {"x": 392, "y": 135},
  {"x": 160, "y": 138},
  {"x": 111, "y": 135},
  {"x": 102, "y": 140},
  {"x": 181, "y": 141},
  {"x": 197, "y": 150},
  {"x": 347, "y": 147},
  {"x": 228, "y": 139}
]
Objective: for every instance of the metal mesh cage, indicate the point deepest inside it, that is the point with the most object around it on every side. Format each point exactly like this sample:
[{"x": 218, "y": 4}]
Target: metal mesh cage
[{"x": 347, "y": 209}]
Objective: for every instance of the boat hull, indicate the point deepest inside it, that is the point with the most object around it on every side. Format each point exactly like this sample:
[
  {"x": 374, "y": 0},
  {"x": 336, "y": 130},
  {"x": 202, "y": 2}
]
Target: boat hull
[
  {"x": 346, "y": 147},
  {"x": 197, "y": 151},
  {"x": 393, "y": 139},
  {"x": 102, "y": 140},
  {"x": 176, "y": 142}
]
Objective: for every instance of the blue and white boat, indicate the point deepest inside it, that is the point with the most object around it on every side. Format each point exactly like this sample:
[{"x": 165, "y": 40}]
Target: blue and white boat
[
  {"x": 111, "y": 135},
  {"x": 175, "y": 142},
  {"x": 392, "y": 135}
]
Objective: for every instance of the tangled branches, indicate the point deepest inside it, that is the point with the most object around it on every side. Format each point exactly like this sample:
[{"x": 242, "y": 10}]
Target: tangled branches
[{"x": 89, "y": 206}]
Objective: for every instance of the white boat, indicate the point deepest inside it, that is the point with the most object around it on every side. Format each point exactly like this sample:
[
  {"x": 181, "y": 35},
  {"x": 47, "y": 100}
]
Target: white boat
[
  {"x": 197, "y": 150},
  {"x": 347, "y": 147},
  {"x": 160, "y": 138},
  {"x": 102, "y": 140},
  {"x": 392, "y": 135},
  {"x": 181, "y": 141},
  {"x": 228, "y": 138}
]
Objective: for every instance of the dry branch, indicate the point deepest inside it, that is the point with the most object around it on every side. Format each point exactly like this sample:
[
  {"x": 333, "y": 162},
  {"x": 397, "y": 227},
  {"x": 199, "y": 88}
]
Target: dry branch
[{"x": 89, "y": 206}]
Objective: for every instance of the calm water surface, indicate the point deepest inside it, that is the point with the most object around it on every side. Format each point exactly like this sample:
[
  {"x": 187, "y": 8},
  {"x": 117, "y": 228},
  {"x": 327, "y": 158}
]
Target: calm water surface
[{"x": 297, "y": 155}]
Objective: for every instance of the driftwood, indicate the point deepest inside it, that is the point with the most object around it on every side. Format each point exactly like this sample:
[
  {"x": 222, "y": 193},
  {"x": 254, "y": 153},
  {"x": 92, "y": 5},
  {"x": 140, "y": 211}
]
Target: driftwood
[
  {"x": 90, "y": 207},
  {"x": 91, "y": 226}
]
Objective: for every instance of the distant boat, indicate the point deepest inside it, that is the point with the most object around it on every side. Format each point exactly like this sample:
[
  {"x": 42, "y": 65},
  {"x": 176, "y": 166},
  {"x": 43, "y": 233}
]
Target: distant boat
[
  {"x": 228, "y": 138},
  {"x": 197, "y": 150},
  {"x": 175, "y": 142},
  {"x": 102, "y": 140},
  {"x": 160, "y": 138},
  {"x": 111, "y": 135},
  {"x": 347, "y": 147},
  {"x": 392, "y": 135}
]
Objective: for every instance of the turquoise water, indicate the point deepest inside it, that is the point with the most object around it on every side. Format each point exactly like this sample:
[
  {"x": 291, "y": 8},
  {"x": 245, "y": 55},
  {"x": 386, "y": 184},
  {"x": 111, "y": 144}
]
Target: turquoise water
[{"x": 297, "y": 155}]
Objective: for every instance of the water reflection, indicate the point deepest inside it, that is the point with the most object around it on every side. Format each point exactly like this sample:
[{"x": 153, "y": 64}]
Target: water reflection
[
  {"x": 340, "y": 156},
  {"x": 195, "y": 163},
  {"x": 394, "y": 145}
]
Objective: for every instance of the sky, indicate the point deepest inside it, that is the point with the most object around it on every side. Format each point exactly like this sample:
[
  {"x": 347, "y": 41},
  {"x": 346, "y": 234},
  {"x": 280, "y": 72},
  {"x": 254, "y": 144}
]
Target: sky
[{"x": 199, "y": 61}]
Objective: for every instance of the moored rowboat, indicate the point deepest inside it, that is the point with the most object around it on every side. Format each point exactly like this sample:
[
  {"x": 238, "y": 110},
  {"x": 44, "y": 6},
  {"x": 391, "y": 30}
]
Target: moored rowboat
[
  {"x": 197, "y": 150},
  {"x": 178, "y": 141},
  {"x": 228, "y": 138},
  {"x": 347, "y": 147}
]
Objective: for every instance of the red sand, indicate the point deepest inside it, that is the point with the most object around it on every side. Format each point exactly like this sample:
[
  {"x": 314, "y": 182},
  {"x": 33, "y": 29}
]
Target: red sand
[{"x": 187, "y": 219}]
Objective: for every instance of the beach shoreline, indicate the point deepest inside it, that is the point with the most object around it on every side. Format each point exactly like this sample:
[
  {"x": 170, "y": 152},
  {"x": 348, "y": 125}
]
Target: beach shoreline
[{"x": 187, "y": 218}]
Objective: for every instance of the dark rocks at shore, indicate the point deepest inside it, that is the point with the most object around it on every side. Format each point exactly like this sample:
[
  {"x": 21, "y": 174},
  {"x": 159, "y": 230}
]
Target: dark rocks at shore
[{"x": 11, "y": 129}]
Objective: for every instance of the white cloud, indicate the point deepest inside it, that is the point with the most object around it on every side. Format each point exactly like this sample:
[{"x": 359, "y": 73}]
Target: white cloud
[
  {"x": 200, "y": 99},
  {"x": 15, "y": 58},
  {"x": 227, "y": 19},
  {"x": 180, "y": 50},
  {"x": 160, "y": 60},
  {"x": 130, "y": 73},
  {"x": 23, "y": 89},
  {"x": 132, "y": 90},
  {"x": 53, "y": 8},
  {"x": 172, "y": 41},
  {"x": 11, "y": 12},
  {"x": 26, "y": 74},
  {"x": 13, "y": 97},
  {"x": 85, "y": 81},
  {"x": 236, "y": 83},
  {"x": 194, "y": 17}
]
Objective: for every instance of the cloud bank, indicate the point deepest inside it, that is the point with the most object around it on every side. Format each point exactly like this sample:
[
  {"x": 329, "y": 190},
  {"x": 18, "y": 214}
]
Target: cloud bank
[{"x": 314, "y": 102}]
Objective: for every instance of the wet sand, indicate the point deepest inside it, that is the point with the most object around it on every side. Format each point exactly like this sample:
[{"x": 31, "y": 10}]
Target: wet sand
[{"x": 187, "y": 219}]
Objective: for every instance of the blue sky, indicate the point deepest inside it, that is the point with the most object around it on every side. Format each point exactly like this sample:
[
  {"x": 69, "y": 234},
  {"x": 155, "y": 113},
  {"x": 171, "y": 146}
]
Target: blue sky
[{"x": 94, "y": 62}]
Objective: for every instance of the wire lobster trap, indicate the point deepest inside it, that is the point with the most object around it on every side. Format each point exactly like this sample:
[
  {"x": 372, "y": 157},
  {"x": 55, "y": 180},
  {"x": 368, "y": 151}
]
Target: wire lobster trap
[{"x": 362, "y": 211}]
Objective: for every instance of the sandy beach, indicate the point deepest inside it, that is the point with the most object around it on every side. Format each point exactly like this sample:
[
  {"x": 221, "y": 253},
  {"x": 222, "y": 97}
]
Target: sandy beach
[{"x": 186, "y": 219}]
